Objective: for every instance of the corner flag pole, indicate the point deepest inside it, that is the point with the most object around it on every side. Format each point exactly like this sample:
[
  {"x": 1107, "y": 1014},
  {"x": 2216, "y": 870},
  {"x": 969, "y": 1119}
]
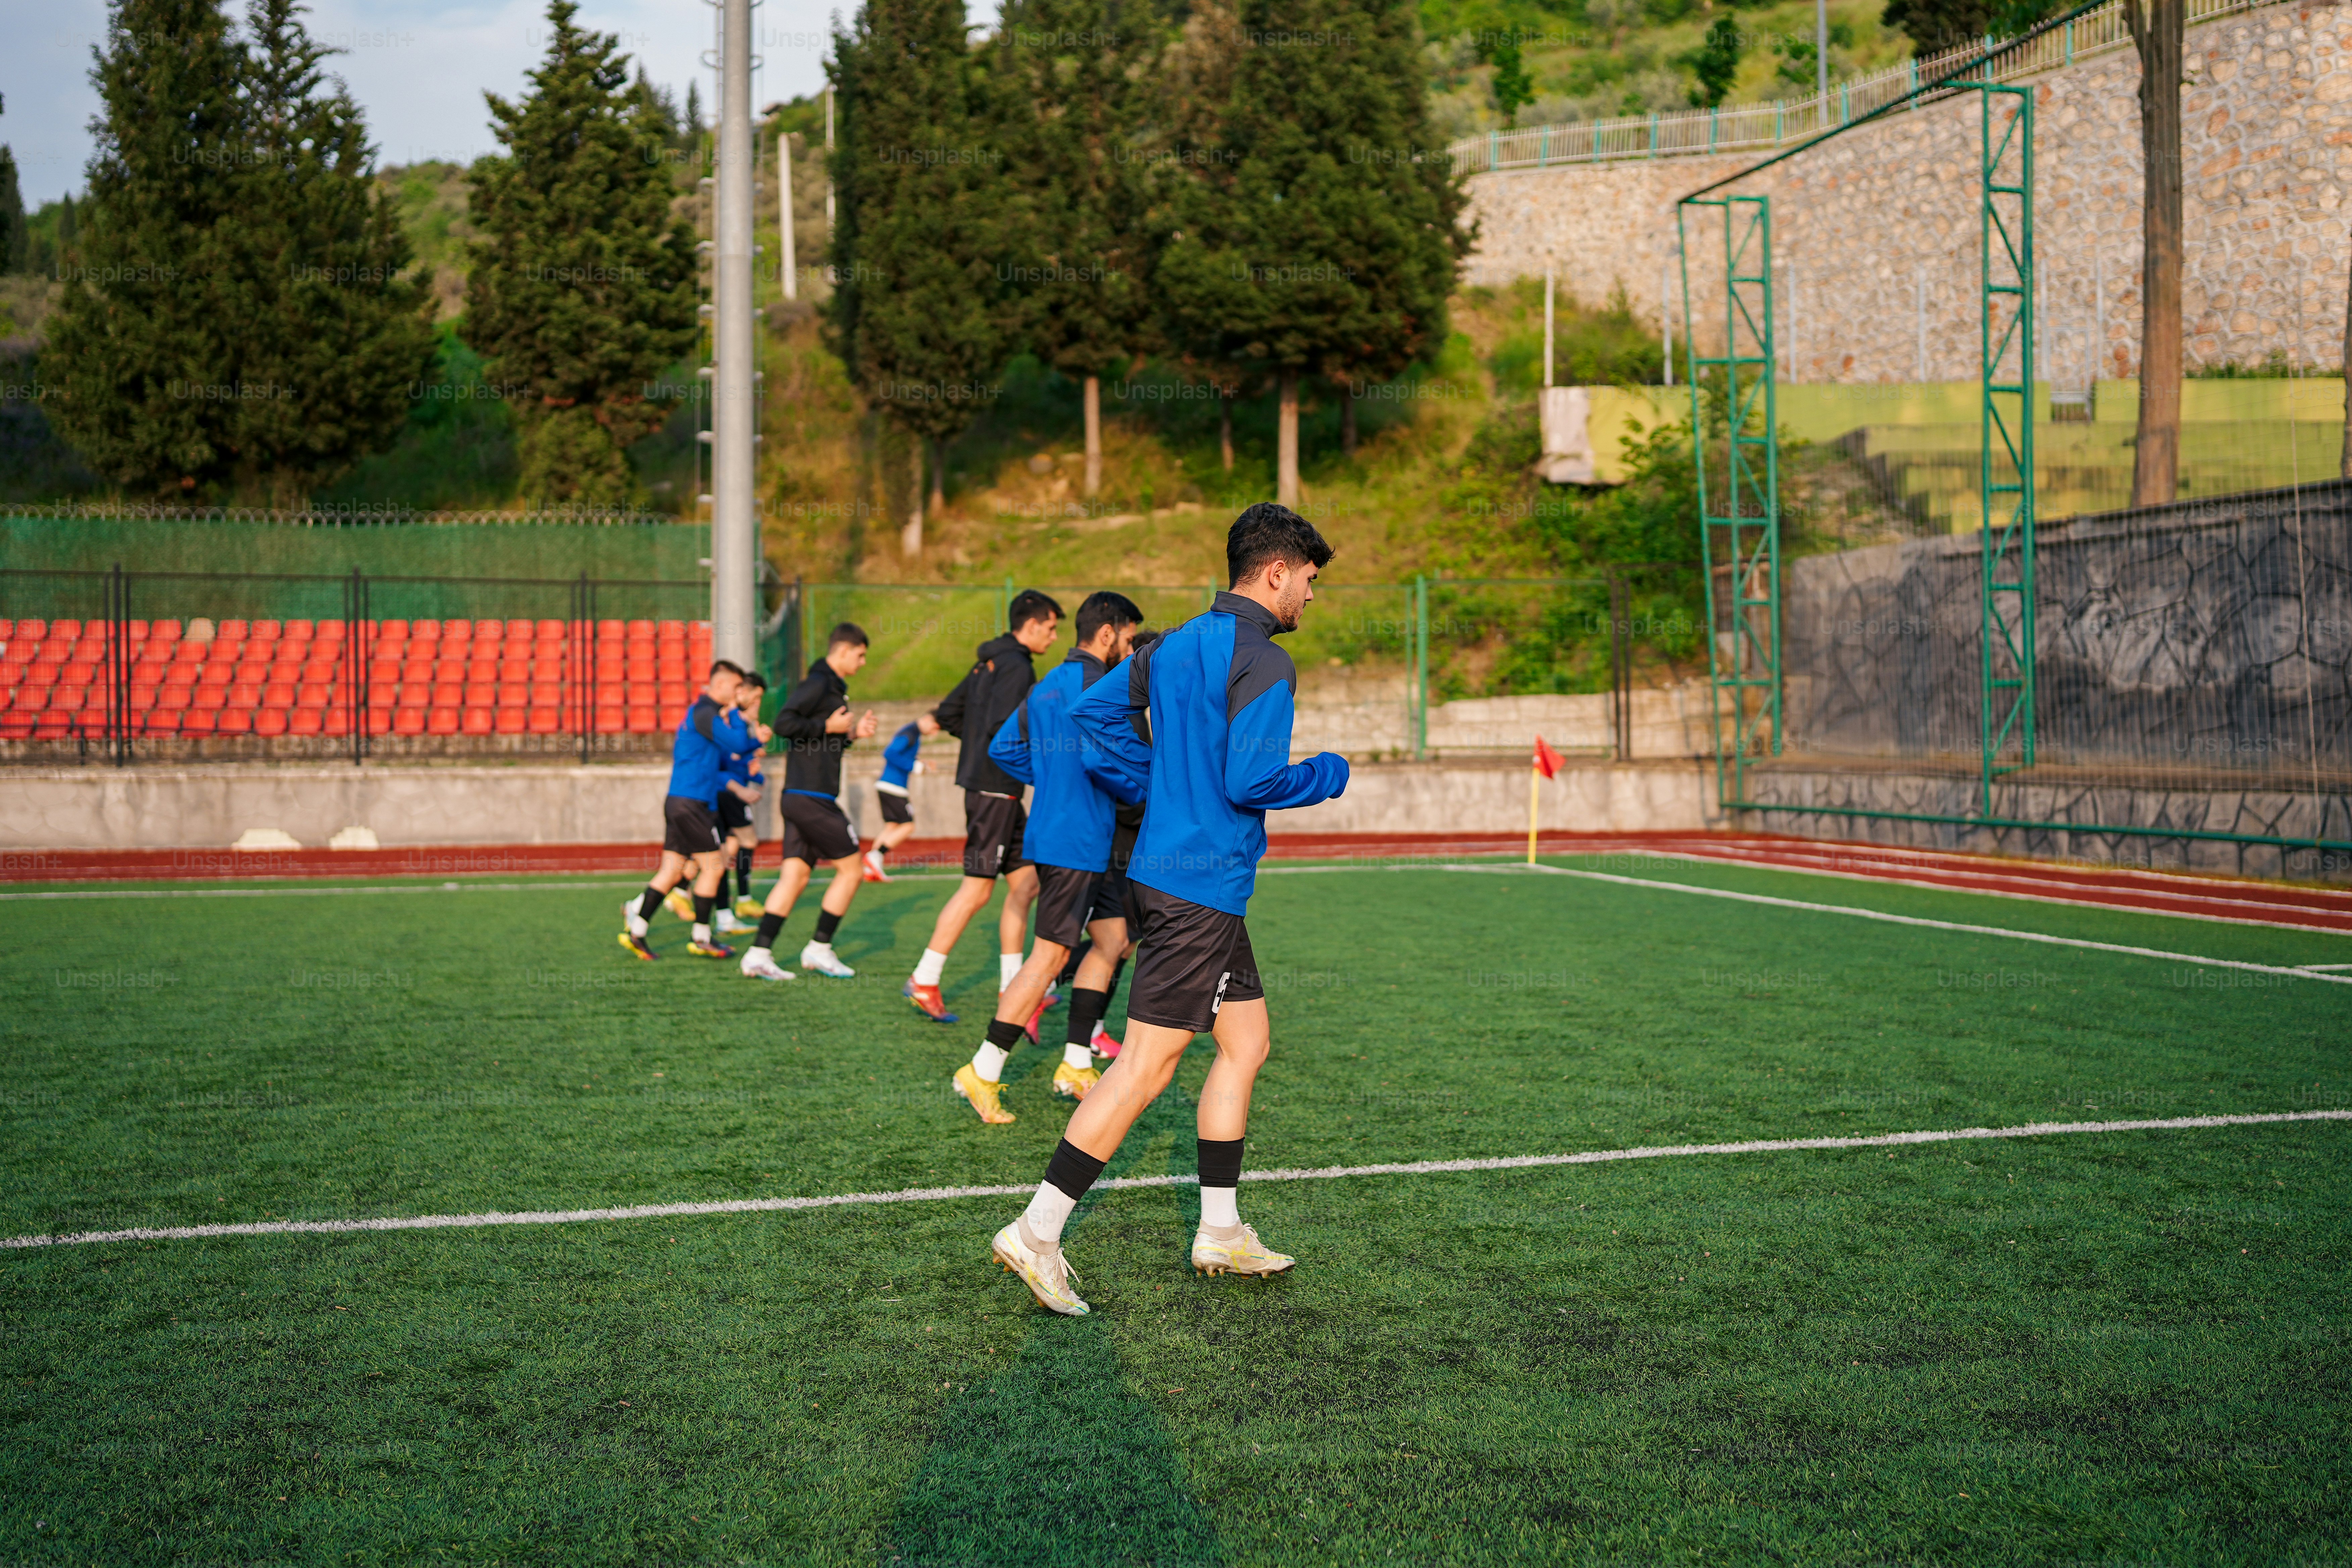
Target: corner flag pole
[{"x": 1535, "y": 784}]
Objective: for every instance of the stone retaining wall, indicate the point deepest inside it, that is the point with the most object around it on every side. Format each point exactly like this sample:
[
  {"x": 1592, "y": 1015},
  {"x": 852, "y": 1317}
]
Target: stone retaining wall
[{"x": 2267, "y": 116}]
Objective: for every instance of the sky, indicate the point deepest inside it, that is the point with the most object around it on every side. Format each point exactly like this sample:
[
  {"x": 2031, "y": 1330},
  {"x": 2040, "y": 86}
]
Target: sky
[{"x": 417, "y": 67}]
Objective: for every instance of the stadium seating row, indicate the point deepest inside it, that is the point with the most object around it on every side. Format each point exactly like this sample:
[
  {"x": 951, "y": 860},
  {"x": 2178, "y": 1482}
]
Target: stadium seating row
[{"x": 304, "y": 677}]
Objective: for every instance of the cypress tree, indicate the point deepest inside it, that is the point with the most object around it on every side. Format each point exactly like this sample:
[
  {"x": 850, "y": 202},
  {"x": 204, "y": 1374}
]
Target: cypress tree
[
  {"x": 15, "y": 239},
  {"x": 1073, "y": 74},
  {"x": 582, "y": 288},
  {"x": 917, "y": 315},
  {"x": 1322, "y": 242},
  {"x": 196, "y": 358}
]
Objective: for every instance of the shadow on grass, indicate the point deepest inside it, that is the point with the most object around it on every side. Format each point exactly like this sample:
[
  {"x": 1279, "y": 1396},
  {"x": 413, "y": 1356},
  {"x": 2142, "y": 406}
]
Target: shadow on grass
[{"x": 1055, "y": 1461}]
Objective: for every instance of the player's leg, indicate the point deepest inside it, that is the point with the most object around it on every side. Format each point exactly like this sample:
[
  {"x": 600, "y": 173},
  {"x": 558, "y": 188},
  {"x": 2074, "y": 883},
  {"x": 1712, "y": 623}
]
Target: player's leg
[
  {"x": 1090, "y": 987},
  {"x": 971, "y": 897},
  {"x": 1020, "y": 895},
  {"x": 747, "y": 843},
  {"x": 848, "y": 872},
  {"x": 1068, "y": 894},
  {"x": 897, "y": 826},
  {"x": 709, "y": 866},
  {"x": 639, "y": 911},
  {"x": 758, "y": 961}
]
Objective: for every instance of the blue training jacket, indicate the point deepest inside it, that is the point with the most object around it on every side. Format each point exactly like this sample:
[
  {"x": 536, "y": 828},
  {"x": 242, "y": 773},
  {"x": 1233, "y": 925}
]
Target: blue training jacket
[
  {"x": 898, "y": 756},
  {"x": 737, "y": 767},
  {"x": 1072, "y": 815},
  {"x": 1199, "y": 723},
  {"x": 698, "y": 754}
]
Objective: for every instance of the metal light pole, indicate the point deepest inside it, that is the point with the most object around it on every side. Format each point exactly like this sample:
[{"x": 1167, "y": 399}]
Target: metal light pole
[
  {"x": 791, "y": 273},
  {"x": 1821, "y": 53},
  {"x": 734, "y": 529}
]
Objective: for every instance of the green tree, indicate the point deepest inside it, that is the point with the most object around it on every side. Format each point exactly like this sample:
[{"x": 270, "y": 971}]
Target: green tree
[
  {"x": 917, "y": 314},
  {"x": 196, "y": 359},
  {"x": 1071, "y": 75},
  {"x": 1513, "y": 88},
  {"x": 1320, "y": 237},
  {"x": 583, "y": 287},
  {"x": 1716, "y": 63},
  {"x": 15, "y": 239}
]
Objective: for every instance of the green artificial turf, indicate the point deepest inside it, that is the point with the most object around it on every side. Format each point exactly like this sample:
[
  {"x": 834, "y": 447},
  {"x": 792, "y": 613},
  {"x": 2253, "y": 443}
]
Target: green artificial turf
[{"x": 2104, "y": 1348}]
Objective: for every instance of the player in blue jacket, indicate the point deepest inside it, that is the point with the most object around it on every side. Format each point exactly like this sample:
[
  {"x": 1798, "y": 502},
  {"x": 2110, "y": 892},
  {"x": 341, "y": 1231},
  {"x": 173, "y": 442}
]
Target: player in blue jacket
[
  {"x": 710, "y": 732},
  {"x": 902, "y": 759},
  {"x": 1068, "y": 839},
  {"x": 1201, "y": 721}
]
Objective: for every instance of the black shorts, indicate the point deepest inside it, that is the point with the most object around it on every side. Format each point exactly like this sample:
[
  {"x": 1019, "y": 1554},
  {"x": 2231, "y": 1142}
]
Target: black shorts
[
  {"x": 815, "y": 829},
  {"x": 895, "y": 807},
  {"x": 1066, "y": 900},
  {"x": 991, "y": 833},
  {"x": 1193, "y": 960},
  {"x": 734, "y": 811},
  {"x": 1114, "y": 901},
  {"x": 688, "y": 826}
]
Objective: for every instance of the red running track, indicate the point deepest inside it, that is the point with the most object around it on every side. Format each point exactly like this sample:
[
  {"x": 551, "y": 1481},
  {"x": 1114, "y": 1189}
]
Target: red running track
[{"x": 2193, "y": 896}]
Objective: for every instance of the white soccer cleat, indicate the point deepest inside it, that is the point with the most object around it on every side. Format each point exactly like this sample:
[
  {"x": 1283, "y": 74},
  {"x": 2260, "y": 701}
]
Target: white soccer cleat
[
  {"x": 631, "y": 921},
  {"x": 757, "y": 965},
  {"x": 1243, "y": 1254},
  {"x": 1047, "y": 1274},
  {"x": 726, "y": 924},
  {"x": 819, "y": 958}
]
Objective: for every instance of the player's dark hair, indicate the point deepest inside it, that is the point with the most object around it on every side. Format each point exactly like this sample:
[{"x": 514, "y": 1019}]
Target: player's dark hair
[
  {"x": 1029, "y": 604},
  {"x": 1267, "y": 533},
  {"x": 753, "y": 678},
  {"x": 1144, "y": 640},
  {"x": 1105, "y": 609},
  {"x": 848, "y": 632},
  {"x": 727, "y": 666}
]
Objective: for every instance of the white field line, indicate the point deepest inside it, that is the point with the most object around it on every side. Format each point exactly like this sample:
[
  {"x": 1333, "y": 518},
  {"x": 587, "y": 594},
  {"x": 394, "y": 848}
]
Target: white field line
[
  {"x": 1919, "y": 920},
  {"x": 1323, "y": 1173},
  {"x": 321, "y": 892}
]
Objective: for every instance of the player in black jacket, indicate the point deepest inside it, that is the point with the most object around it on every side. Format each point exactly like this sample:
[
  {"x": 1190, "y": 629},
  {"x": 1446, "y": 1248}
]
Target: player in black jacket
[
  {"x": 816, "y": 726},
  {"x": 998, "y": 682}
]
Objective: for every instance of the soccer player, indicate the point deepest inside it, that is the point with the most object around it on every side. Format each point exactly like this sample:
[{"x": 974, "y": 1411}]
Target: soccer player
[
  {"x": 997, "y": 683},
  {"x": 711, "y": 728},
  {"x": 901, "y": 761},
  {"x": 1068, "y": 843},
  {"x": 1204, "y": 715},
  {"x": 738, "y": 790},
  {"x": 1092, "y": 971},
  {"x": 816, "y": 725}
]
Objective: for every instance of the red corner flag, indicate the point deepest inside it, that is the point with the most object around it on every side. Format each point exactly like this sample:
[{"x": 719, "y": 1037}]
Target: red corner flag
[{"x": 1547, "y": 762}]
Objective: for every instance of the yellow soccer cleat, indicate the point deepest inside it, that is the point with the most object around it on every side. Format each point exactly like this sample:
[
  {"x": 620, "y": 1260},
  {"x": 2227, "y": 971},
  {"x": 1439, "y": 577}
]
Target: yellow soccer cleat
[
  {"x": 1074, "y": 1081},
  {"x": 709, "y": 950},
  {"x": 1047, "y": 1274},
  {"x": 749, "y": 909},
  {"x": 983, "y": 1096},
  {"x": 638, "y": 946},
  {"x": 1243, "y": 1254},
  {"x": 677, "y": 903}
]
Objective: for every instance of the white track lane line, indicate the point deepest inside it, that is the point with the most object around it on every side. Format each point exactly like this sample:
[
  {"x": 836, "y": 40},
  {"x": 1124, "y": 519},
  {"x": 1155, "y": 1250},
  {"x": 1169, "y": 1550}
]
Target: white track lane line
[
  {"x": 1323, "y": 1173},
  {"x": 1921, "y": 921},
  {"x": 2091, "y": 900}
]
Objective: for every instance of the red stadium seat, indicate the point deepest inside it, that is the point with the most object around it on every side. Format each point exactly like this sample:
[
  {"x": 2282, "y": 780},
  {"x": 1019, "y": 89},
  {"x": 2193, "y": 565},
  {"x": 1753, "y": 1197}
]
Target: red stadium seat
[
  {"x": 164, "y": 631},
  {"x": 69, "y": 630},
  {"x": 408, "y": 720},
  {"x": 50, "y": 726},
  {"x": 198, "y": 722},
  {"x": 234, "y": 721},
  {"x": 304, "y": 629},
  {"x": 338, "y": 723},
  {"x": 441, "y": 721},
  {"x": 546, "y": 721},
  {"x": 477, "y": 721},
  {"x": 161, "y": 721},
  {"x": 267, "y": 631},
  {"x": 390, "y": 631},
  {"x": 424, "y": 631},
  {"x": 34, "y": 631},
  {"x": 233, "y": 631},
  {"x": 479, "y": 694},
  {"x": 306, "y": 721},
  {"x": 270, "y": 721},
  {"x": 493, "y": 630},
  {"x": 245, "y": 694},
  {"x": 550, "y": 631},
  {"x": 210, "y": 697},
  {"x": 314, "y": 694},
  {"x": 278, "y": 694}
]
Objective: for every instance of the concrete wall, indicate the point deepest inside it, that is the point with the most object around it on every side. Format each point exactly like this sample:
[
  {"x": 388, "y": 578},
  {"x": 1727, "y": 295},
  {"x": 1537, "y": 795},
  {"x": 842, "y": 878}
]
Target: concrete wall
[{"x": 2267, "y": 116}]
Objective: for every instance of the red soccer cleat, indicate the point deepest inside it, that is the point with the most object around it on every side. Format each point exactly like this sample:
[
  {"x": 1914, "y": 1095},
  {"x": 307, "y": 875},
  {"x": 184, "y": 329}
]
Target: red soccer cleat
[
  {"x": 927, "y": 1001},
  {"x": 1102, "y": 1045}
]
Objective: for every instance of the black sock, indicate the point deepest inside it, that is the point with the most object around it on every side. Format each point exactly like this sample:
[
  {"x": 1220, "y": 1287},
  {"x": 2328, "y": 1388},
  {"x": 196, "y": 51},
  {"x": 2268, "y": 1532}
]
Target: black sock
[
  {"x": 1072, "y": 1170},
  {"x": 828, "y": 922},
  {"x": 1110, "y": 987},
  {"x": 1087, "y": 1010},
  {"x": 720, "y": 899},
  {"x": 1077, "y": 956},
  {"x": 703, "y": 910},
  {"x": 770, "y": 928},
  {"x": 743, "y": 870},
  {"x": 650, "y": 902},
  {"x": 1004, "y": 1034},
  {"x": 879, "y": 849},
  {"x": 1221, "y": 1162}
]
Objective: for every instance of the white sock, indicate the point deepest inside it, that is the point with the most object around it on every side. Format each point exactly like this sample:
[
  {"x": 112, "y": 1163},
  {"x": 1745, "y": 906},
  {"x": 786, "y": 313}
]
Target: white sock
[
  {"x": 1220, "y": 1207},
  {"x": 1045, "y": 1214},
  {"x": 929, "y": 967},
  {"x": 816, "y": 946},
  {"x": 989, "y": 1061},
  {"x": 1008, "y": 964},
  {"x": 1077, "y": 1056},
  {"x": 638, "y": 926},
  {"x": 759, "y": 955},
  {"x": 874, "y": 857},
  {"x": 702, "y": 935}
]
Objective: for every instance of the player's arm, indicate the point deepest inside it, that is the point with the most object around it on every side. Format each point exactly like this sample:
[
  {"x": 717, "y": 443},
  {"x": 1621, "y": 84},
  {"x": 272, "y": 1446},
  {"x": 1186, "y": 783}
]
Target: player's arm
[
  {"x": 1259, "y": 774},
  {"x": 1010, "y": 749},
  {"x": 949, "y": 714},
  {"x": 1114, "y": 720},
  {"x": 799, "y": 719}
]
